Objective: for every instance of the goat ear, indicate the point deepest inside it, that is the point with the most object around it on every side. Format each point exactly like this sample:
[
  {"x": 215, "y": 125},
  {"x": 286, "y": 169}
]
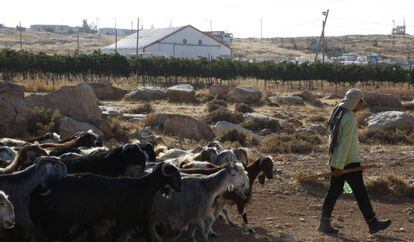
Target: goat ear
[{"x": 166, "y": 170}]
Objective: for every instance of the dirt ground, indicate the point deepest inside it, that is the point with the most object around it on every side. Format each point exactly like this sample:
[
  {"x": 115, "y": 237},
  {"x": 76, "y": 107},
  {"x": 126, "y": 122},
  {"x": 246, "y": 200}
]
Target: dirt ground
[{"x": 284, "y": 210}]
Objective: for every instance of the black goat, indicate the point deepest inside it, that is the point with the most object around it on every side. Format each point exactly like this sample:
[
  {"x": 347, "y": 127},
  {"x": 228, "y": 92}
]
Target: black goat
[
  {"x": 84, "y": 200},
  {"x": 19, "y": 186},
  {"x": 109, "y": 163}
]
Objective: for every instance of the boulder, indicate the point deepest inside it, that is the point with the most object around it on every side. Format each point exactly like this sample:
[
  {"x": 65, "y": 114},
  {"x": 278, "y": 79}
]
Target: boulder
[
  {"x": 390, "y": 120},
  {"x": 105, "y": 91},
  {"x": 183, "y": 126},
  {"x": 314, "y": 129},
  {"x": 77, "y": 102},
  {"x": 288, "y": 100},
  {"x": 243, "y": 108},
  {"x": 220, "y": 91},
  {"x": 134, "y": 116},
  {"x": 146, "y": 94},
  {"x": 257, "y": 117},
  {"x": 69, "y": 126},
  {"x": 280, "y": 115},
  {"x": 307, "y": 96},
  {"x": 244, "y": 94},
  {"x": 409, "y": 106},
  {"x": 221, "y": 128},
  {"x": 181, "y": 93},
  {"x": 380, "y": 102},
  {"x": 14, "y": 112},
  {"x": 110, "y": 110},
  {"x": 329, "y": 96}
]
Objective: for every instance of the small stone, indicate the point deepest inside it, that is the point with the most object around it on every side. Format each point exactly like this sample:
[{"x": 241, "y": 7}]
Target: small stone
[
  {"x": 286, "y": 193},
  {"x": 402, "y": 230},
  {"x": 302, "y": 220},
  {"x": 278, "y": 226},
  {"x": 288, "y": 225},
  {"x": 269, "y": 218}
]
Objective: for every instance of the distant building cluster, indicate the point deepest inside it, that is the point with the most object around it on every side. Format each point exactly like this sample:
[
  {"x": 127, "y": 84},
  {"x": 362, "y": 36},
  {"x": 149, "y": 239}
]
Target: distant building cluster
[{"x": 221, "y": 36}]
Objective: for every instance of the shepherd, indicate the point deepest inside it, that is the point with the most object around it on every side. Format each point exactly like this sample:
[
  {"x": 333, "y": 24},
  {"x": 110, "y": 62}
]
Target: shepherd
[{"x": 344, "y": 154}]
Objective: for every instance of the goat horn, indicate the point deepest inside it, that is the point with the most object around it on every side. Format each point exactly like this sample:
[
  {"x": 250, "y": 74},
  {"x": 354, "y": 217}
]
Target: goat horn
[{"x": 163, "y": 167}]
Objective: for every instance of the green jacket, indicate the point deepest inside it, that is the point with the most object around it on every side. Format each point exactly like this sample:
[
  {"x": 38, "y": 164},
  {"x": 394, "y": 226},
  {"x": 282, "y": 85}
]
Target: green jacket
[{"x": 346, "y": 150}]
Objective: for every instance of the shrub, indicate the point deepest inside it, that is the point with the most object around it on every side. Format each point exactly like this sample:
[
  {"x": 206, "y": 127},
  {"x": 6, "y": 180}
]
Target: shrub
[
  {"x": 223, "y": 114},
  {"x": 216, "y": 104},
  {"x": 260, "y": 124},
  {"x": 242, "y": 139},
  {"x": 43, "y": 120},
  {"x": 318, "y": 119},
  {"x": 142, "y": 109},
  {"x": 290, "y": 143},
  {"x": 390, "y": 185},
  {"x": 371, "y": 136},
  {"x": 149, "y": 119}
]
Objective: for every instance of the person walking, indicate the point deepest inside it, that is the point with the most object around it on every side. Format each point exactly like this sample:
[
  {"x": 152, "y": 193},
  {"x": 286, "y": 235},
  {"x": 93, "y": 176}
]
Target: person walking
[{"x": 344, "y": 154}]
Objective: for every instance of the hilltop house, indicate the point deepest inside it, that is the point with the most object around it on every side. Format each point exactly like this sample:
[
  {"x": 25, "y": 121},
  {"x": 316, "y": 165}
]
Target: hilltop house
[{"x": 182, "y": 42}]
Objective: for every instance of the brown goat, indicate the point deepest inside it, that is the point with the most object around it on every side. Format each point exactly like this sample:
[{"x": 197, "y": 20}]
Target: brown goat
[
  {"x": 25, "y": 158},
  {"x": 264, "y": 165}
]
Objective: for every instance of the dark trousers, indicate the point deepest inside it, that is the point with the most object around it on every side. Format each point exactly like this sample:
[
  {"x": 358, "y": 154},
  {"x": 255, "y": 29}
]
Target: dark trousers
[{"x": 356, "y": 182}]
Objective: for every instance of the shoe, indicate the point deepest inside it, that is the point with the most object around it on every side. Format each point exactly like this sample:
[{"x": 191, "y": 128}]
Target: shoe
[
  {"x": 326, "y": 227},
  {"x": 378, "y": 225}
]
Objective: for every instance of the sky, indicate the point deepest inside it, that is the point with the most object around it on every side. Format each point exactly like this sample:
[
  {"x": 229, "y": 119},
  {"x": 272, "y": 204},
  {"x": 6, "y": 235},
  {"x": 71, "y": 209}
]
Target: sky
[{"x": 280, "y": 18}]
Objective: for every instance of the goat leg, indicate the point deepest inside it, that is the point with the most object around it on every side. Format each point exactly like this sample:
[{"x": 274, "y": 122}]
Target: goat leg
[
  {"x": 246, "y": 226},
  {"x": 209, "y": 225},
  {"x": 226, "y": 214}
]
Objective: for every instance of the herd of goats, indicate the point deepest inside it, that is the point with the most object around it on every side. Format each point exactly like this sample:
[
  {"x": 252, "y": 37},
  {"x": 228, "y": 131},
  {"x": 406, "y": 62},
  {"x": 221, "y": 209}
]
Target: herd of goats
[{"x": 66, "y": 190}]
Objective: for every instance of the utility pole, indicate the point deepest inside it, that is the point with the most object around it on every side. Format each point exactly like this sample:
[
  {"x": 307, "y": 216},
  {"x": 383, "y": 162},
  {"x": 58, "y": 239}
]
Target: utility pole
[
  {"x": 137, "y": 36},
  {"x": 261, "y": 29},
  {"x": 116, "y": 39},
  {"x": 78, "y": 44},
  {"x": 393, "y": 38},
  {"x": 322, "y": 36},
  {"x": 20, "y": 33},
  {"x": 211, "y": 26}
]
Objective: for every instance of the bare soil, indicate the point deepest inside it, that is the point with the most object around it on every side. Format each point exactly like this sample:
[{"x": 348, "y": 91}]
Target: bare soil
[{"x": 284, "y": 210}]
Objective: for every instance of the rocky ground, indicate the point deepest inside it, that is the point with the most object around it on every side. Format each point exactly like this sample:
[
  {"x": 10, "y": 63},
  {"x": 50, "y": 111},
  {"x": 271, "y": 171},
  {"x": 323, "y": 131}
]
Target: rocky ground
[
  {"x": 285, "y": 210},
  {"x": 293, "y": 132}
]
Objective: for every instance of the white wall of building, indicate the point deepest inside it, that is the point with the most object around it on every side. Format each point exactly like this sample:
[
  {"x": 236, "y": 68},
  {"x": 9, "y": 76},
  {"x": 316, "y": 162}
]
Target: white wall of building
[{"x": 196, "y": 45}]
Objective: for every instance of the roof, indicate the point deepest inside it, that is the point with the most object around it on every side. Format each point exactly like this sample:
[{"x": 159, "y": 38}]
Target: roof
[{"x": 146, "y": 37}]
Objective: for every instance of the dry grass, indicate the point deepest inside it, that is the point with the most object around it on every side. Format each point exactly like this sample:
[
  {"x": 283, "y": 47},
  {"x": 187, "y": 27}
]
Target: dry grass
[
  {"x": 258, "y": 125},
  {"x": 238, "y": 139},
  {"x": 216, "y": 104},
  {"x": 149, "y": 119},
  {"x": 142, "y": 109},
  {"x": 379, "y": 136},
  {"x": 286, "y": 143},
  {"x": 390, "y": 185},
  {"x": 384, "y": 186},
  {"x": 223, "y": 114},
  {"x": 43, "y": 120}
]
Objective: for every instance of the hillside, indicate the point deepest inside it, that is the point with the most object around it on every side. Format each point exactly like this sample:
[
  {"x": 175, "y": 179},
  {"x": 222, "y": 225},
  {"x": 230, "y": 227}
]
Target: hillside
[{"x": 247, "y": 48}]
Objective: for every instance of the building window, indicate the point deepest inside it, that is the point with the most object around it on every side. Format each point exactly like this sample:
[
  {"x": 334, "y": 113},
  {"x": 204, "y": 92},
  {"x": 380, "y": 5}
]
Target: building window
[
  {"x": 200, "y": 42},
  {"x": 184, "y": 41}
]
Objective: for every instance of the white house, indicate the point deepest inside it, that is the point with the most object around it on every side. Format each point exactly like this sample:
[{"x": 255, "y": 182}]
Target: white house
[{"x": 181, "y": 42}]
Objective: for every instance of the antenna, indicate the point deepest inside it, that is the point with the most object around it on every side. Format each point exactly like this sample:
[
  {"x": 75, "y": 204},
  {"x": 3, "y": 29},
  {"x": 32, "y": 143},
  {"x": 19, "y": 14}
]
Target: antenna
[
  {"x": 137, "y": 36},
  {"x": 116, "y": 39},
  {"x": 21, "y": 39},
  {"x": 261, "y": 29}
]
